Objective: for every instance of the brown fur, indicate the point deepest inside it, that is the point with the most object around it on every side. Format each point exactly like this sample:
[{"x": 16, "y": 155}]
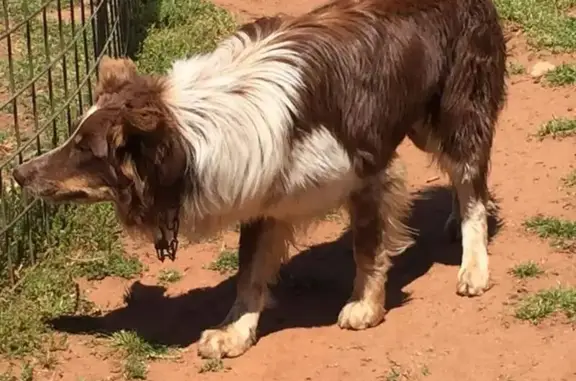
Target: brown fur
[{"x": 375, "y": 71}]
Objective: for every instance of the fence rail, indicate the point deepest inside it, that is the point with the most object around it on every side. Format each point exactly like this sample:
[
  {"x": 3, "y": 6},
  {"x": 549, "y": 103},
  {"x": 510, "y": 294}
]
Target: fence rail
[{"x": 49, "y": 51}]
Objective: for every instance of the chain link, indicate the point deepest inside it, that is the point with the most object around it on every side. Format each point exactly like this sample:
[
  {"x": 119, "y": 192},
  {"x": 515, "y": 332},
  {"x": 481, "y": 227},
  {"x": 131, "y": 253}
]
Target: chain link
[{"x": 163, "y": 247}]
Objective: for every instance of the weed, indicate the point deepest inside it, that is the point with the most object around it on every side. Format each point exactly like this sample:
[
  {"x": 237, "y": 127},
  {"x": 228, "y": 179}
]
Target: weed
[
  {"x": 558, "y": 127},
  {"x": 27, "y": 373},
  {"x": 546, "y": 23},
  {"x": 113, "y": 264},
  {"x": 133, "y": 344},
  {"x": 393, "y": 375},
  {"x": 515, "y": 68},
  {"x": 227, "y": 261},
  {"x": 570, "y": 179},
  {"x": 536, "y": 307},
  {"x": 4, "y": 136},
  {"x": 167, "y": 276},
  {"x": 562, "y": 233},
  {"x": 563, "y": 75},
  {"x": 526, "y": 270},
  {"x": 136, "y": 351},
  {"x": 212, "y": 366},
  {"x": 425, "y": 370},
  {"x": 135, "y": 368}
]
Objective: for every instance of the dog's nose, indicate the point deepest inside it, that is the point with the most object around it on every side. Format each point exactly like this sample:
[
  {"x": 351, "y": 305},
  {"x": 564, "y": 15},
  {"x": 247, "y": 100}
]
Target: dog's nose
[{"x": 19, "y": 176}]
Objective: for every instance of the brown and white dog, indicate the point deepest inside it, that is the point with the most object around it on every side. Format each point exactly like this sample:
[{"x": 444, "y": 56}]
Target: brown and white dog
[{"x": 286, "y": 119}]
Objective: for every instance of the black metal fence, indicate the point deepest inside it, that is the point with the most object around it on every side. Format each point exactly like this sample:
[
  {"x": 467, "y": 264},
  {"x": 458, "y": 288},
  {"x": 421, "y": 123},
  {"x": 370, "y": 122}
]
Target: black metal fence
[{"x": 49, "y": 50}]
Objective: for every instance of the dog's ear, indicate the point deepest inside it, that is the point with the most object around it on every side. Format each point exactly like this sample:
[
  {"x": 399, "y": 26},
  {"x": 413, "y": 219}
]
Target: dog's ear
[
  {"x": 114, "y": 73},
  {"x": 144, "y": 111},
  {"x": 141, "y": 121}
]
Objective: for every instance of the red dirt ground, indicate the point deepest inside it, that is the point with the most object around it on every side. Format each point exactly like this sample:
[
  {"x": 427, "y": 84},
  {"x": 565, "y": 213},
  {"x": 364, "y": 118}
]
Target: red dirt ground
[{"x": 435, "y": 335}]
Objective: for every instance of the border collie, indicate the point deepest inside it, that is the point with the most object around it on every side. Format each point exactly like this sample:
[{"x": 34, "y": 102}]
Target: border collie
[{"x": 285, "y": 120}]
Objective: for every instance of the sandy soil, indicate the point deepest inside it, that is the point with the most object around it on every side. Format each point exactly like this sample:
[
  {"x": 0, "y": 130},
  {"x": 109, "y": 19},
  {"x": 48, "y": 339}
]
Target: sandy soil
[{"x": 429, "y": 333}]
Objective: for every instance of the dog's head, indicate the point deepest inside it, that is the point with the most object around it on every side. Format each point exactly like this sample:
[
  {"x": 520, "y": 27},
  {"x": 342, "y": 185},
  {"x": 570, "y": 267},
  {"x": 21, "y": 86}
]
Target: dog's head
[{"x": 126, "y": 149}]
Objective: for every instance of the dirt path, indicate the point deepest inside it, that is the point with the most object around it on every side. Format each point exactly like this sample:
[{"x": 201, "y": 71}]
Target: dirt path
[{"x": 435, "y": 335}]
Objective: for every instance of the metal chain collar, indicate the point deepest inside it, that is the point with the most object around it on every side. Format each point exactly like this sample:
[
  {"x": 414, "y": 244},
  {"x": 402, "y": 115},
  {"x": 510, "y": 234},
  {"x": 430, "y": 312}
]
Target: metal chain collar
[{"x": 167, "y": 247}]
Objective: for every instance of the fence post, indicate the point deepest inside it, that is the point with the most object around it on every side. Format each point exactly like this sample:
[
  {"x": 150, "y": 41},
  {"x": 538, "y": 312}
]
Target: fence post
[
  {"x": 124, "y": 27},
  {"x": 101, "y": 32}
]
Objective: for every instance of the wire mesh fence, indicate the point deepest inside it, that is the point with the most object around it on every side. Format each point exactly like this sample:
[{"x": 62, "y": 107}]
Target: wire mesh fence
[{"x": 49, "y": 50}]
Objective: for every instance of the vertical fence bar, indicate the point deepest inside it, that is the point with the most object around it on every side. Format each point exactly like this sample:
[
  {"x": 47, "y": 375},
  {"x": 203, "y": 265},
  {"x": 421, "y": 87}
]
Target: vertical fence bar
[
  {"x": 94, "y": 33},
  {"x": 86, "y": 56},
  {"x": 5, "y": 215},
  {"x": 47, "y": 61},
  {"x": 101, "y": 22},
  {"x": 112, "y": 28},
  {"x": 34, "y": 102},
  {"x": 11, "y": 73},
  {"x": 126, "y": 10},
  {"x": 76, "y": 56},
  {"x": 64, "y": 66}
]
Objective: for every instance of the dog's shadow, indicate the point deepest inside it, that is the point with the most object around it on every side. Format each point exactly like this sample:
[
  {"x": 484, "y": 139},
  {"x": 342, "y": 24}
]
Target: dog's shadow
[{"x": 312, "y": 289}]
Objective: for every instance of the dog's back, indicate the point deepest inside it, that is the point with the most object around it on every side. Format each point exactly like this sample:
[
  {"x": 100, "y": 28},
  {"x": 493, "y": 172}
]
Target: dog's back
[{"x": 376, "y": 70}]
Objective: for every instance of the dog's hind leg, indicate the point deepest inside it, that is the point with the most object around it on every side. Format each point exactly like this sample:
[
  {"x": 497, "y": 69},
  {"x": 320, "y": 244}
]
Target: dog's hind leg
[
  {"x": 376, "y": 214},
  {"x": 472, "y": 191},
  {"x": 263, "y": 247},
  {"x": 467, "y": 116}
]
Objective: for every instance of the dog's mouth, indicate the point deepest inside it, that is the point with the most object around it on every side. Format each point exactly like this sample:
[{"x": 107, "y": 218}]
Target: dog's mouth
[
  {"x": 71, "y": 196},
  {"x": 52, "y": 193}
]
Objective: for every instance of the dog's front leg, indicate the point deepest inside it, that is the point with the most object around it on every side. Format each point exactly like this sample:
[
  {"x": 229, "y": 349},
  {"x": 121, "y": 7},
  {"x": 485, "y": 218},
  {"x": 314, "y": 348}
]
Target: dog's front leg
[
  {"x": 377, "y": 213},
  {"x": 263, "y": 247}
]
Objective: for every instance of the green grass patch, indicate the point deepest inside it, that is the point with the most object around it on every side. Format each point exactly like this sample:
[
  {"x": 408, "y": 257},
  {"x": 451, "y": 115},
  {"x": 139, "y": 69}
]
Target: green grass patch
[
  {"x": 184, "y": 28},
  {"x": 535, "y": 308},
  {"x": 168, "y": 276},
  {"x": 84, "y": 241},
  {"x": 561, "y": 233},
  {"x": 547, "y": 23},
  {"x": 559, "y": 127},
  {"x": 563, "y": 75},
  {"x": 526, "y": 270},
  {"x": 115, "y": 263},
  {"x": 136, "y": 352},
  {"x": 226, "y": 262}
]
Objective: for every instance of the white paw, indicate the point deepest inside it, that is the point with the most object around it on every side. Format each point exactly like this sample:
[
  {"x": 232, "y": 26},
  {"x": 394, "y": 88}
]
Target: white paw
[
  {"x": 225, "y": 342},
  {"x": 360, "y": 314},
  {"x": 473, "y": 279}
]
